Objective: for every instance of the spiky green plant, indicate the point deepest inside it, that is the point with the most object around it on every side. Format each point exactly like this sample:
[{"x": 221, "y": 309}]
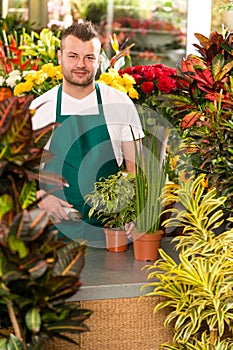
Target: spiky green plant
[
  {"x": 150, "y": 176},
  {"x": 198, "y": 289}
]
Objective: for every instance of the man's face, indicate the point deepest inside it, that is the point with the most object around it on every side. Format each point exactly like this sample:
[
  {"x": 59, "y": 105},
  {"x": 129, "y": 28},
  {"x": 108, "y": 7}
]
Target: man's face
[{"x": 79, "y": 60}]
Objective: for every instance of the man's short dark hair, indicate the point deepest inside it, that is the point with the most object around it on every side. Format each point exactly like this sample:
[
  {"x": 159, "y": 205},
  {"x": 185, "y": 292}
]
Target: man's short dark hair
[{"x": 83, "y": 31}]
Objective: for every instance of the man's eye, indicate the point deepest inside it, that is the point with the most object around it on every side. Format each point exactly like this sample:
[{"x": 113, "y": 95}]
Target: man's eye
[{"x": 90, "y": 58}]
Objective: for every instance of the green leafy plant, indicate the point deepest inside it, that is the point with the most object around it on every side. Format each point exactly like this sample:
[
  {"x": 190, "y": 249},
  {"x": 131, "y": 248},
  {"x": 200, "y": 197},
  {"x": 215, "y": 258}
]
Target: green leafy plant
[
  {"x": 113, "y": 200},
  {"x": 15, "y": 23},
  {"x": 38, "y": 272},
  {"x": 43, "y": 45},
  {"x": 198, "y": 290},
  {"x": 225, "y": 7}
]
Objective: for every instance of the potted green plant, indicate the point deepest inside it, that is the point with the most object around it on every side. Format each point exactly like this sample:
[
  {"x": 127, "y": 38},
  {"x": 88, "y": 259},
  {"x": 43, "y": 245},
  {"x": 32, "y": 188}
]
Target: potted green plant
[
  {"x": 198, "y": 289},
  {"x": 38, "y": 271},
  {"x": 112, "y": 201},
  {"x": 150, "y": 180}
]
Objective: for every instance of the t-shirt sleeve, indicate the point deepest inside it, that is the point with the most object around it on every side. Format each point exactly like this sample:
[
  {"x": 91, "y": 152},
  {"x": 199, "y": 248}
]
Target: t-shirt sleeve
[
  {"x": 132, "y": 128},
  {"x": 44, "y": 108}
]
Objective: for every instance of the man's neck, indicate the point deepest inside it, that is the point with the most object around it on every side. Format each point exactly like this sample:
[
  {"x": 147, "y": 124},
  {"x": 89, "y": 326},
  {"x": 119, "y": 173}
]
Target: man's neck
[{"x": 78, "y": 92}]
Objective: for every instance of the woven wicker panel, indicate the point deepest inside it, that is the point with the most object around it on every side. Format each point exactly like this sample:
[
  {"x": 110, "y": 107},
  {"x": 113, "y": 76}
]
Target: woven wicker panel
[
  {"x": 125, "y": 324},
  {"x": 120, "y": 324}
]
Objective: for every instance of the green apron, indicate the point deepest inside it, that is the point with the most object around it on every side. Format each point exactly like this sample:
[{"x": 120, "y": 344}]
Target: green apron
[{"x": 82, "y": 154}]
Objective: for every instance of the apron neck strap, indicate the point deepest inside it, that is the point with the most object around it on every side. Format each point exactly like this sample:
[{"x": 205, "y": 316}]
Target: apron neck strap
[{"x": 99, "y": 99}]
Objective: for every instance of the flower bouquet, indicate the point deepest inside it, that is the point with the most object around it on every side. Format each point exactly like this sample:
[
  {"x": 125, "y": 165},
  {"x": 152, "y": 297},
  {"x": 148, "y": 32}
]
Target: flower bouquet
[
  {"x": 39, "y": 81},
  {"x": 28, "y": 64},
  {"x": 151, "y": 81}
]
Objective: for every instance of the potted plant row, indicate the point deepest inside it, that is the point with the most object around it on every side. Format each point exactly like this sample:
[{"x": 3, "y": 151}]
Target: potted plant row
[{"x": 124, "y": 198}]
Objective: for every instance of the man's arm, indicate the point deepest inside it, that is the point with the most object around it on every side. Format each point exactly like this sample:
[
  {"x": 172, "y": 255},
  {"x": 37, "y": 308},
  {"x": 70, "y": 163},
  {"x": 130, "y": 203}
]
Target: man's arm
[{"x": 129, "y": 155}]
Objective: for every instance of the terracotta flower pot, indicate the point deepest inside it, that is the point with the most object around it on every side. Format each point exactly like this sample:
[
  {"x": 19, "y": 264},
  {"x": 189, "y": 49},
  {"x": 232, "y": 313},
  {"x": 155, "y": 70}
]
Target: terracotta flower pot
[
  {"x": 116, "y": 240},
  {"x": 146, "y": 245}
]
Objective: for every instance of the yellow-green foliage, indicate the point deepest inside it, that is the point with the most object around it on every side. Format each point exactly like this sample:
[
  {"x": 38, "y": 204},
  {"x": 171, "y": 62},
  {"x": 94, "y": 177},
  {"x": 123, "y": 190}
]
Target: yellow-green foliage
[{"x": 198, "y": 289}]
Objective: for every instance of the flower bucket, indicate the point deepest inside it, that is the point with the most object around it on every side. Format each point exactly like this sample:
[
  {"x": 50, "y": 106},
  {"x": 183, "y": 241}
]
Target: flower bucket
[
  {"x": 116, "y": 240},
  {"x": 146, "y": 245}
]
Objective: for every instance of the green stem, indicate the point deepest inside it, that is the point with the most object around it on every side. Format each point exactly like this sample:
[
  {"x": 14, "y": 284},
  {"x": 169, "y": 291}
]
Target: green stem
[{"x": 14, "y": 322}]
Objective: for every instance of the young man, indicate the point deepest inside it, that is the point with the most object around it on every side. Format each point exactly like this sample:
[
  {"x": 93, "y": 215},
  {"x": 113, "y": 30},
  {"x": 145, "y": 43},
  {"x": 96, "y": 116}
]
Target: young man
[{"x": 94, "y": 135}]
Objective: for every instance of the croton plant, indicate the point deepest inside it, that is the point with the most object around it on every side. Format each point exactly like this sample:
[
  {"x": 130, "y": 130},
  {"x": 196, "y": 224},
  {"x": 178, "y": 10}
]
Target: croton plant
[
  {"x": 38, "y": 272},
  {"x": 201, "y": 108}
]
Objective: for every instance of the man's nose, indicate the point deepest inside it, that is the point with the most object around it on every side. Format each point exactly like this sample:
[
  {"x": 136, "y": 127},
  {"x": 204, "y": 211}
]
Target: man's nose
[{"x": 80, "y": 62}]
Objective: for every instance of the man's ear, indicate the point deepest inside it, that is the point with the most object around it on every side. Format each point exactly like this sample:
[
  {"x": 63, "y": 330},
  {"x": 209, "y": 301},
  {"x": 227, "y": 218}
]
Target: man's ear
[
  {"x": 59, "y": 56},
  {"x": 99, "y": 60}
]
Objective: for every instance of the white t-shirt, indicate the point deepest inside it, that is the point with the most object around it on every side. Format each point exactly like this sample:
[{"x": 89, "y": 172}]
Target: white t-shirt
[{"x": 120, "y": 113}]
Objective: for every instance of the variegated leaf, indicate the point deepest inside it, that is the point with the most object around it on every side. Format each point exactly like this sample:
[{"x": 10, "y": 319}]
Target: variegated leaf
[{"x": 190, "y": 119}]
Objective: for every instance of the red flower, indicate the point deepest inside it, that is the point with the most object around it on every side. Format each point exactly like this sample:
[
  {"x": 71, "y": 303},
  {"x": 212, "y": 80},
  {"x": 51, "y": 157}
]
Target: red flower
[
  {"x": 152, "y": 80},
  {"x": 138, "y": 78},
  {"x": 147, "y": 87},
  {"x": 166, "y": 84},
  {"x": 150, "y": 75}
]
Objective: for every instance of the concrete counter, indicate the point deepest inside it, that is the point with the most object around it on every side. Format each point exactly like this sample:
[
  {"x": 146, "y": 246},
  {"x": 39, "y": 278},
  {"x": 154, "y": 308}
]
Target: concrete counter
[{"x": 108, "y": 275}]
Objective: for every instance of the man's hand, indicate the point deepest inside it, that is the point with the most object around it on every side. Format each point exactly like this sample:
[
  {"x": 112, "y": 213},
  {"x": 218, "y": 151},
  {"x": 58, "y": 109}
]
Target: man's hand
[
  {"x": 129, "y": 229},
  {"x": 53, "y": 206}
]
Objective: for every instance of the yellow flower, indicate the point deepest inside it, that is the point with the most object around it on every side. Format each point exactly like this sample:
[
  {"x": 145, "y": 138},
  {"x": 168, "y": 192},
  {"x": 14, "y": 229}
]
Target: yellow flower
[
  {"x": 173, "y": 162},
  {"x": 118, "y": 80},
  {"x": 205, "y": 182},
  {"x": 56, "y": 72},
  {"x": 30, "y": 76},
  {"x": 119, "y": 87},
  {"x": 123, "y": 83},
  {"x": 106, "y": 78},
  {"x": 128, "y": 79},
  {"x": 21, "y": 88},
  {"x": 47, "y": 67},
  {"x": 114, "y": 43},
  {"x": 40, "y": 81},
  {"x": 113, "y": 72},
  {"x": 52, "y": 71},
  {"x": 133, "y": 93},
  {"x": 40, "y": 77}
]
